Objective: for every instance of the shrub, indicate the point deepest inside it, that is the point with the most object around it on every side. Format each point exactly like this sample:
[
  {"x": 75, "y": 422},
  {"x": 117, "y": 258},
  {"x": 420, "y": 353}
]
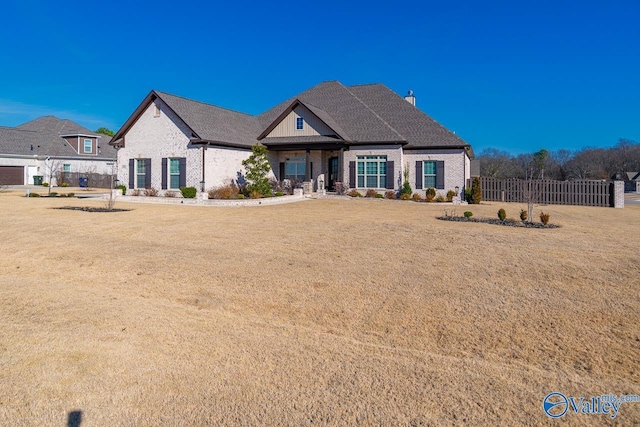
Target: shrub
[
  {"x": 67, "y": 195},
  {"x": 188, "y": 192},
  {"x": 379, "y": 196},
  {"x": 406, "y": 189},
  {"x": 468, "y": 214},
  {"x": 405, "y": 196},
  {"x": 279, "y": 194},
  {"x": 136, "y": 192},
  {"x": 468, "y": 195},
  {"x": 371, "y": 193},
  {"x": 65, "y": 184},
  {"x": 45, "y": 184},
  {"x": 429, "y": 197},
  {"x": 390, "y": 194},
  {"x": 354, "y": 193},
  {"x": 170, "y": 194},
  {"x": 34, "y": 195},
  {"x": 430, "y": 192},
  {"x": 544, "y": 218},
  {"x": 502, "y": 214},
  {"x": 123, "y": 188},
  {"x": 150, "y": 192},
  {"x": 450, "y": 195},
  {"x": 53, "y": 194},
  {"x": 440, "y": 198},
  {"x": 416, "y": 197},
  {"x": 240, "y": 196},
  {"x": 523, "y": 215},
  {"x": 224, "y": 192},
  {"x": 258, "y": 167},
  {"x": 476, "y": 191}
]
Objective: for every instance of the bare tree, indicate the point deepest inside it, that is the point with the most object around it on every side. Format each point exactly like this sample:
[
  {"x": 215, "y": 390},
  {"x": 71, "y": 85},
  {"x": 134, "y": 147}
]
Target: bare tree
[{"x": 52, "y": 168}]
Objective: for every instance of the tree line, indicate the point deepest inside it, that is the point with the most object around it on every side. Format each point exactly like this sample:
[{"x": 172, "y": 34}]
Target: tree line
[{"x": 588, "y": 163}]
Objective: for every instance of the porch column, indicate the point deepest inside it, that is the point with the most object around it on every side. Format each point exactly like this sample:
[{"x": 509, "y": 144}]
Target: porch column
[
  {"x": 307, "y": 168},
  {"x": 341, "y": 165}
]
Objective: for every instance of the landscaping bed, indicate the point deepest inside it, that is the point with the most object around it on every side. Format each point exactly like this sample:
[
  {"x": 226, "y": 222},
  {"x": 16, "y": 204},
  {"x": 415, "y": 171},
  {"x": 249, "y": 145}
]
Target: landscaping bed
[{"x": 509, "y": 223}]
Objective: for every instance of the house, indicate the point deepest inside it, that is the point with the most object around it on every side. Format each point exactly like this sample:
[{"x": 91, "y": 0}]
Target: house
[
  {"x": 632, "y": 182},
  {"x": 52, "y": 149},
  {"x": 331, "y": 135}
]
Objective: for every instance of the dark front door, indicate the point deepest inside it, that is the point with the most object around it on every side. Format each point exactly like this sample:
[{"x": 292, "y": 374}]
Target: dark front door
[{"x": 333, "y": 173}]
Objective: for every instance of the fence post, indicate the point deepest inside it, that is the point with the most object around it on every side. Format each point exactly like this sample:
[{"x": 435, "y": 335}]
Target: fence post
[{"x": 616, "y": 190}]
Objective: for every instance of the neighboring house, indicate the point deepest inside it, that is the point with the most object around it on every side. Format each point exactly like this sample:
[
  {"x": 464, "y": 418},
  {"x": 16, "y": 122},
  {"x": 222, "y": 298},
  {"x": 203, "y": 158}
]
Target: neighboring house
[
  {"x": 362, "y": 136},
  {"x": 632, "y": 182},
  {"x": 52, "y": 148}
]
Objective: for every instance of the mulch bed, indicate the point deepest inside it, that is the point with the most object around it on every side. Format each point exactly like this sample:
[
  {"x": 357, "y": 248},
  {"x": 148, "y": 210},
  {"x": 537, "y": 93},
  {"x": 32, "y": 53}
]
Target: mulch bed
[
  {"x": 498, "y": 222},
  {"x": 88, "y": 209}
]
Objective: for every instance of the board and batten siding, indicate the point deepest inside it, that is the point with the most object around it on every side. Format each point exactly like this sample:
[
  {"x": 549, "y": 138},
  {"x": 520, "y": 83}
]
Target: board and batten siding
[{"x": 313, "y": 126}]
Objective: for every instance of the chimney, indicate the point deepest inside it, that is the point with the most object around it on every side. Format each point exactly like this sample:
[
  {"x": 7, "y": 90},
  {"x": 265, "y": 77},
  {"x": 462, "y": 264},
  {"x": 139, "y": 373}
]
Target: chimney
[{"x": 410, "y": 98}]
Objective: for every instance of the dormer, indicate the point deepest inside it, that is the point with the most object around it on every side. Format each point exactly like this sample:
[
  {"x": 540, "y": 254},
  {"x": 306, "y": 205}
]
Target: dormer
[{"x": 86, "y": 145}]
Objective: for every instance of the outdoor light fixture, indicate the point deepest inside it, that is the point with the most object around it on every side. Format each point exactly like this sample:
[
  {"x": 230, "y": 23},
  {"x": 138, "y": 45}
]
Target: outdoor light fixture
[{"x": 457, "y": 190}]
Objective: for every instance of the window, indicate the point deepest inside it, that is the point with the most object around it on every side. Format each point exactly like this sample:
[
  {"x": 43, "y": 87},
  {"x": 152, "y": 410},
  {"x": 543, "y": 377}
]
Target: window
[
  {"x": 174, "y": 173},
  {"x": 372, "y": 171},
  {"x": 299, "y": 123},
  {"x": 66, "y": 168},
  {"x": 295, "y": 168},
  {"x": 88, "y": 146},
  {"x": 156, "y": 111},
  {"x": 141, "y": 173},
  {"x": 429, "y": 175}
]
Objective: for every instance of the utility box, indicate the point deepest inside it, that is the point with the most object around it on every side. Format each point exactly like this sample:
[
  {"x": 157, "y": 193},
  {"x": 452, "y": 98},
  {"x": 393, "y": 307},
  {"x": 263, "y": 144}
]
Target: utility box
[
  {"x": 37, "y": 179},
  {"x": 83, "y": 182}
]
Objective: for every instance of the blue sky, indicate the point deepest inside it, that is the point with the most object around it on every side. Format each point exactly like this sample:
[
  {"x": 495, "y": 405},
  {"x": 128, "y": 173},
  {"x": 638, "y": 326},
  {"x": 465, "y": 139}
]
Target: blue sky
[{"x": 517, "y": 76}]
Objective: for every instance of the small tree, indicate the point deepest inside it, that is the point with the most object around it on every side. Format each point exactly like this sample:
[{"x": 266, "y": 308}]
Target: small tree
[
  {"x": 52, "y": 167},
  {"x": 476, "y": 191},
  {"x": 105, "y": 131},
  {"x": 258, "y": 167},
  {"x": 406, "y": 190}
]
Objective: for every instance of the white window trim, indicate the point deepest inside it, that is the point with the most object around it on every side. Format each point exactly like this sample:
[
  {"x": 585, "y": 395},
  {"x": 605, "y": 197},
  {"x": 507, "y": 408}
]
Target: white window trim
[
  {"x": 174, "y": 174},
  {"x": 138, "y": 174},
  {"x": 84, "y": 146},
  {"x": 365, "y": 175},
  {"x": 302, "y": 119},
  {"x": 435, "y": 175}
]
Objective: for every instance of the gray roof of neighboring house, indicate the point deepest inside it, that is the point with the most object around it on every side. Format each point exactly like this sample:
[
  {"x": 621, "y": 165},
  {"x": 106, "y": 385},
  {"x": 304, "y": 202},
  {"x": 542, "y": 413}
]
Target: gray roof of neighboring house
[
  {"x": 633, "y": 176},
  {"x": 213, "y": 123},
  {"x": 42, "y": 137}
]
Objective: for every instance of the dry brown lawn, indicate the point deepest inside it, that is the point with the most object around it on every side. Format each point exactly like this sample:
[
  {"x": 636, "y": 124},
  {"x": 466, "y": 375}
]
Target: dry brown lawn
[{"x": 323, "y": 312}]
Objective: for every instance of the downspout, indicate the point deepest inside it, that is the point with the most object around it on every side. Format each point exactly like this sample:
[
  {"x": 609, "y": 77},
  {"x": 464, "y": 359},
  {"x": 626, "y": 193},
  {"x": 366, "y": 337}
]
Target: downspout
[{"x": 202, "y": 181}]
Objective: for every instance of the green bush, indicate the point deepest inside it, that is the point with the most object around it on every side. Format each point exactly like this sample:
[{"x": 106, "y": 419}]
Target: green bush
[
  {"x": 354, "y": 193},
  {"x": 279, "y": 194},
  {"x": 188, "y": 192},
  {"x": 34, "y": 195},
  {"x": 258, "y": 167},
  {"x": 523, "y": 215},
  {"x": 502, "y": 214},
  {"x": 450, "y": 195},
  {"x": 406, "y": 189},
  {"x": 65, "y": 184},
  {"x": 45, "y": 184},
  {"x": 468, "y": 195},
  {"x": 476, "y": 191},
  {"x": 53, "y": 194},
  {"x": 240, "y": 196},
  {"x": 405, "y": 196},
  {"x": 440, "y": 198},
  {"x": 379, "y": 196},
  {"x": 430, "y": 192},
  {"x": 544, "y": 218},
  {"x": 468, "y": 214},
  {"x": 371, "y": 193},
  {"x": 123, "y": 188}
]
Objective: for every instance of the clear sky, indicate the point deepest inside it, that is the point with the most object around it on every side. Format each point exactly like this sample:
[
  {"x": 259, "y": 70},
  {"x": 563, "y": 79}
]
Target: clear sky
[{"x": 513, "y": 75}]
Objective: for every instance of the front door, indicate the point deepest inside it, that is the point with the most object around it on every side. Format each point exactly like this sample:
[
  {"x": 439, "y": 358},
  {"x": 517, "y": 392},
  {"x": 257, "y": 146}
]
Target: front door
[{"x": 333, "y": 173}]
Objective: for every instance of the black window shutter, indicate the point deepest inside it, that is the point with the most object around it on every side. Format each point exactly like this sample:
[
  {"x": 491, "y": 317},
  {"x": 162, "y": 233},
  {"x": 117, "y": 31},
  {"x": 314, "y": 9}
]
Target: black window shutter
[
  {"x": 132, "y": 173},
  {"x": 281, "y": 171},
  {"x": 310, "y": 171},
  {"x": 164, "y": 173},
  {"x": 352, "y": 174},
  {"x": 390, "y": 175},
  {"x": 440, "y": 175},
  {"x": 419, "y": 175},
  {"x": 183, "y": 172},
  {"x": 147, "y": 177}
]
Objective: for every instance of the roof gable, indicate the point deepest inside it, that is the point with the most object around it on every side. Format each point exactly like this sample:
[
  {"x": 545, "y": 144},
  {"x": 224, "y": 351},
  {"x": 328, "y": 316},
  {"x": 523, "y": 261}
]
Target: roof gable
[{"x": 323, "y": 118}]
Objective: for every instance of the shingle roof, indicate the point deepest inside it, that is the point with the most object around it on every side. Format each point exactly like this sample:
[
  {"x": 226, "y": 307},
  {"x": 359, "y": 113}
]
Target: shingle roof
[
  {"x": 213, "y": 123},
  {"x": 417, "y": 128},
  {"x": 370, "y": 113},
  {"x": 43, "y": 134}
]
